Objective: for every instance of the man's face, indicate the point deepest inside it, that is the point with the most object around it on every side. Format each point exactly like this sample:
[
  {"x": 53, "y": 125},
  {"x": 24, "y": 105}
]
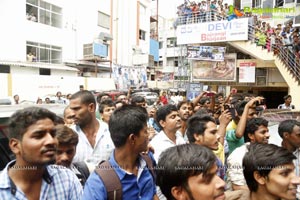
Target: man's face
[
  {"x": 69, "y": 116},
  {"x": 209, "y": 138},
  {"x": 251, "y": 113},
  {"x": 288, "y": 100},
  {"x": 65, "y": 154},
  {"x": 142, "y": 140},
  {"x": 82, "y": 112},
  {"x": 261, "y": 135},
  {"x": 172, "y": 122},
  {"x": 294, "y": 137},
  {"x": 185, "y": 111},
  {"x": 38, "y": 145},
  {"x": 282, "y": 182},
  {"x": 123, "y": 98},
  {"x": 210, "y": 187},
  {"x": 107, "y": 112}
]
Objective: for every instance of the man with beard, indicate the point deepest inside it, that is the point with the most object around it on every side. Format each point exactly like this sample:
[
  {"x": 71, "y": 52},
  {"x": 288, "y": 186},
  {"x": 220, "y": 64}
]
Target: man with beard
[
  {"x": 256, "y": 132},
  {"x": 95, "y": 143},
  {"x": 185, "y": 111},
  {"x": 30, "y": 176}
]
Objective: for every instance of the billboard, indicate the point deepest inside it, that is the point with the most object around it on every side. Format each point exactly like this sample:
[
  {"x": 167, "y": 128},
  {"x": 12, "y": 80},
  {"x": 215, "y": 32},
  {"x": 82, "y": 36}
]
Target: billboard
[
  {"x": 212, "y": 53},
  {"x": 215, "y": 70},
  {"x": 215, "y": 31}
]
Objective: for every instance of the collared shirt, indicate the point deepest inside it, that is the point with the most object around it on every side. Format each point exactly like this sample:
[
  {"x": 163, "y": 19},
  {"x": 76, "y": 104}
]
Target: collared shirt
[
  {"x": 93, "y": 155},
  {"x": 58, "y": 183},
  {"x": 283, "y": 106},
  {"x": 184, "y": 137},
  {"x": 134, "y": 187},
  {"x": 161, "y": 142}
]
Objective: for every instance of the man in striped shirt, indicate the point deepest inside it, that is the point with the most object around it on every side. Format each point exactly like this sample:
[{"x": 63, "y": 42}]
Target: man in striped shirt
[{"x": 31, "y": 133}]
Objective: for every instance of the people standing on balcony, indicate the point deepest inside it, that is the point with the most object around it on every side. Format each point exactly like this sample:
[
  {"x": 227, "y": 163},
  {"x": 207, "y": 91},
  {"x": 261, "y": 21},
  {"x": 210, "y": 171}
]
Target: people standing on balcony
[{"x": 287, "y": 103}]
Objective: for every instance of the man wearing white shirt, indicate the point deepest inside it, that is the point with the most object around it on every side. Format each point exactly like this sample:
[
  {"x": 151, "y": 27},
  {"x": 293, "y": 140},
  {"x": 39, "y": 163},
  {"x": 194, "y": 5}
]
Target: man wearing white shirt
[
  {"x": 95, "y": 143},
  {"x": 169, "y": 120}
]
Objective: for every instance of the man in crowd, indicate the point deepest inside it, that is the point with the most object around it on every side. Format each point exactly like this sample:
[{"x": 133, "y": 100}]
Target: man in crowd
[
  {"x": 256, "y": 132},
  {"x": 269, "y": 172},
  {"x": 185, "y": 111},
  {"x": 67, "y": 142},
  {"x": 169, "y": 120},
  {"x": 128, "y": 128},
  {"x": 31, "y": 175},
  {"x": 189, "y": 172},
  {"x": 94, "y": 138},
  {"x": 106, "y": 108}
]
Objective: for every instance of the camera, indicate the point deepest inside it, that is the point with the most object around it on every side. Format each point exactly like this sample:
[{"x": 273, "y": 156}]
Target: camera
[
  {"x": 231, "y": 109},
  {"x": 261, "y": 102}
]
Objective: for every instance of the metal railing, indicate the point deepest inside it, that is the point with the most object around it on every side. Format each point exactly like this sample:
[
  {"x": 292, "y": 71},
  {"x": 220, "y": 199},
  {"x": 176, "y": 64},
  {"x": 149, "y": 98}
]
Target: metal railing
[
  {"x": 284, "y": 52},
  {"x": 199, "y": 17}
]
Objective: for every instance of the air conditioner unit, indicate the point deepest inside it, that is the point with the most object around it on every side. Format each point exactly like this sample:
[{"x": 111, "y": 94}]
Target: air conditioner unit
[{"x": 87, "y": 74}]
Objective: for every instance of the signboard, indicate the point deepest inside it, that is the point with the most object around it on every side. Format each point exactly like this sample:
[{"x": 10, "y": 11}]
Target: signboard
[
  {"x": 247, "y": 72},
  {"x": 215, "y": 70},
  {"x": 194, "y": 90},
  {"x": 127, "y": 76},
  {"x": 216, "y": 31},
  {"x": 213, "y": 53}
]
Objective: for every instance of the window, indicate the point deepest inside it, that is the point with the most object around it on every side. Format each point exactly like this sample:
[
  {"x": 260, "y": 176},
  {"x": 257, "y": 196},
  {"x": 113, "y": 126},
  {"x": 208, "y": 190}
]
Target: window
[
  {"x": 142, "y": 35},
  {"x": 160, "y": 45},
  {"x": 44, "y": 71},
  {"x": 278, "y": 3},
  {"x": 43, "y": 12},
  {"x": 171, "y": 42},
  {"x": 44, "y": 52},
  {"x": 5, "y": 69},
  {"x": 103, "y": 20}
]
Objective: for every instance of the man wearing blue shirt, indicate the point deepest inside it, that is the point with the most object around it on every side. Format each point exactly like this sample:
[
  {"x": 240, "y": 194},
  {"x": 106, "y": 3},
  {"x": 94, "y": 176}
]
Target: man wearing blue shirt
[{"x": 128, "y": 129}]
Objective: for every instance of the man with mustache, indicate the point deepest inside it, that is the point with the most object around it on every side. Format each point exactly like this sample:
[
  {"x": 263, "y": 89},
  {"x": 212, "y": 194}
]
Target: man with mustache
[
  {"x": 256, "y": 132},
  {"x": 31, "y": 133},
  {"x": 66, "y": 149}
]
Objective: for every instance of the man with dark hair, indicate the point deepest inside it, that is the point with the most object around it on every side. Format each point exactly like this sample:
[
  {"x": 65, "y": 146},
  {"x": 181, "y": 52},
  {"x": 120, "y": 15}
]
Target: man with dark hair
[
  {"x": 168, "y": 119},
  {"x": 185, "y": 111},
  {"x": 31, "y": 176},
  {"x": 68, "y": 116},
  {"x": 289, "y": 131},
  {"x": 245, "y": 110},
  {"x": 188, "y": 171},
  {"x": 139, "y": 101},
  {"x": 106, "y": 108},
  {"x": 94, "y": 138},
  {"x": 287, "y": 103},
  {"x": 256, "y": 132},
  {"x": 102, "y": 96},
  {"x": 67, "y": 142},
  {"x": 202, "y": 130},
  {"x": 128, "y": 129},
  {"x": 269, "y": 172}
]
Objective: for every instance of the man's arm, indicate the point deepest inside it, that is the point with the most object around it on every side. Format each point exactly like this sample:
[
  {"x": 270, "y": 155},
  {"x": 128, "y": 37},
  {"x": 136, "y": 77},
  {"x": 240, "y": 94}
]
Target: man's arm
[
  {"x": 224, "y": 119},
  {"x": 240, "y": 129}
]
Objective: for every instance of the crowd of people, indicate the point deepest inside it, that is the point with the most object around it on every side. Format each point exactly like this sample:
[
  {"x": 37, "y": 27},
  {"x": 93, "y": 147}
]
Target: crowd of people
[{"x": 213, "y": 147}]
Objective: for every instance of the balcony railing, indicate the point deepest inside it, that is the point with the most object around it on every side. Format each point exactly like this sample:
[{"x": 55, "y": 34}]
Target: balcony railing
[{"x": 284, "y": 52}]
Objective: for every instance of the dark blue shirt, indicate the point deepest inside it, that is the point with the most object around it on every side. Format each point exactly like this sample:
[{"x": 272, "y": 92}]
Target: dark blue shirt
[{"x": 133, "y": 187}]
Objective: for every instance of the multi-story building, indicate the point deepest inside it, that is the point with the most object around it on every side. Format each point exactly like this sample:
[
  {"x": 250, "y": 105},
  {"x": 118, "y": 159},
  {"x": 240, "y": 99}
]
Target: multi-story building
[{"x": 50, "y": 45}]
